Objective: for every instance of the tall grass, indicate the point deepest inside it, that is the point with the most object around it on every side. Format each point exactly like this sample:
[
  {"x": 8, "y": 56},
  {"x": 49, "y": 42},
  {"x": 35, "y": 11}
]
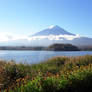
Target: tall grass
[{"x": 58, "y": 74}]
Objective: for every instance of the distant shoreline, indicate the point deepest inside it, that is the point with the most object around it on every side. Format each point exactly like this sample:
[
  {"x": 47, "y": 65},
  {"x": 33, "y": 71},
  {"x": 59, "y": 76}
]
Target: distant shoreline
[{"x": 53, "y": 47}]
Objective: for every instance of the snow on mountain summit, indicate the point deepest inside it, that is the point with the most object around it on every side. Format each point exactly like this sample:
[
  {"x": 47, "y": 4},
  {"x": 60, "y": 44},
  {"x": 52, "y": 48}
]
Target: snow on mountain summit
[
  {"x": 52, "y": 26},
  {"x": 53, "y": 30}
]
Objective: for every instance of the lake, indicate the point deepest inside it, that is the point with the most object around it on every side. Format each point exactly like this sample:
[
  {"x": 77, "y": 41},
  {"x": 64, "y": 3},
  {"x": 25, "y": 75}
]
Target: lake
[{"x": 32, "y": 57}]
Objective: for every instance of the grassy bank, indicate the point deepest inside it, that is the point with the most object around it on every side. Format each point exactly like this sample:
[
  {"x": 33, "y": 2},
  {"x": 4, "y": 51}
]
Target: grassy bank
[{"x": 58, "y": 74}]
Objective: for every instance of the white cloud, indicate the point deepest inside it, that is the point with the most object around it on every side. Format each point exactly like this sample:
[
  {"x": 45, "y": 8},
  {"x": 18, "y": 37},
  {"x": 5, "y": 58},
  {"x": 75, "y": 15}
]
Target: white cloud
[
  {"x": 55, "y": 37},
  {"x": 6, "y": 36}
]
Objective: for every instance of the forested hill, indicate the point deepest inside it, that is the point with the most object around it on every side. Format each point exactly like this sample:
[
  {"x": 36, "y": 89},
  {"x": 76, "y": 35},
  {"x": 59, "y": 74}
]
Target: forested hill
[{"x": 63, "y": 47}]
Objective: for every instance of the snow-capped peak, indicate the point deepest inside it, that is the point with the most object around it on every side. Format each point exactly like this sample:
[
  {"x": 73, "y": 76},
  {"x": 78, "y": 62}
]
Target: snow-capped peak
[
  {"x": 52, "y": 26},
  {"x": 53, "y": 30}
]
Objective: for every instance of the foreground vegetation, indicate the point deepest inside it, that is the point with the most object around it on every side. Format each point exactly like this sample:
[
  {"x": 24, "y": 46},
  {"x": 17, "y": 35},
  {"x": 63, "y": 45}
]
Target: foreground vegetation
[{"x": 59, "y": 74}]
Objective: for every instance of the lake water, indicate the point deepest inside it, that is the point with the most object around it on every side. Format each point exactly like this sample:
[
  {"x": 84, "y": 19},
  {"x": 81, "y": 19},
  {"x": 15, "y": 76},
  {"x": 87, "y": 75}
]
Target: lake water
[{"x": 33, "y": 57}]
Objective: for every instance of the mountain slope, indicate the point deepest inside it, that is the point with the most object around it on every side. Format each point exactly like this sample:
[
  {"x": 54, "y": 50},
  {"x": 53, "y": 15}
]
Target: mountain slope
[
  {"x": 55, "y": 34},
  {"x": 52, "y": 30}
]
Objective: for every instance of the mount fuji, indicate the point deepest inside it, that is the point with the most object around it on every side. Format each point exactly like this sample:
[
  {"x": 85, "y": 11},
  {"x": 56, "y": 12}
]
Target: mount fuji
[
  {"x": 53, "y": 30},
  {"x": 49, "y": 36},
  {"x": 55, "y": 34}
]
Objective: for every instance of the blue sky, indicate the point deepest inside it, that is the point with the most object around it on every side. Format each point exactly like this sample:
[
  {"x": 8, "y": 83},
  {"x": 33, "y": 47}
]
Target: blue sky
[{"x": 25, "y": 17}]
